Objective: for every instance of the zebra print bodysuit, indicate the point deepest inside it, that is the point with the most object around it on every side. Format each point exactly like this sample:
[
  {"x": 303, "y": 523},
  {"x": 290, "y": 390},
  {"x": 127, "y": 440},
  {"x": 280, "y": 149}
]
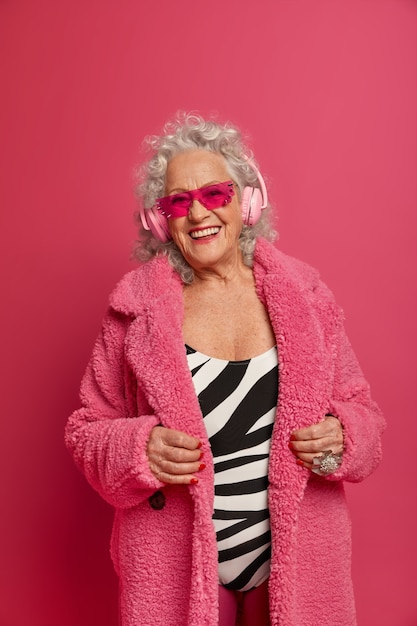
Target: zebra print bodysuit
[{"x": 238, "y": 400}]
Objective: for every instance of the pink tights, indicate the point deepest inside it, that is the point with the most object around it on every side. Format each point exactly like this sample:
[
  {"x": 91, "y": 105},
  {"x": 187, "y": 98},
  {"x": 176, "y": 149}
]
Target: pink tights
[{"x": 247, "y": 608}]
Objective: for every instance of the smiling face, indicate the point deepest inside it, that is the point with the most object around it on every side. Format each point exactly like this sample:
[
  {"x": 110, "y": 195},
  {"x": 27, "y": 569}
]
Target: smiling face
[{"x": 208, "y": 239}]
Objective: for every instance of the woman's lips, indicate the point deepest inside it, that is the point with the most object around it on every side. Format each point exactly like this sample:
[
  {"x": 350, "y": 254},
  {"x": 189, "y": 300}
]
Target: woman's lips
[{"x": 204, "y": 232}]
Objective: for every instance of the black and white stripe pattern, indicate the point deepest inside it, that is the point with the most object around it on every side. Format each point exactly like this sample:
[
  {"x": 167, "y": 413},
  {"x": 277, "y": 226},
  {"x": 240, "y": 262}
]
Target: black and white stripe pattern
[{"x": 238, "y": 401}]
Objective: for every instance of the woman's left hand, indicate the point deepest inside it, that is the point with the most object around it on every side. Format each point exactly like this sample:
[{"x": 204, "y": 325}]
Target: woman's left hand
[{"x": 309, "y": 443}]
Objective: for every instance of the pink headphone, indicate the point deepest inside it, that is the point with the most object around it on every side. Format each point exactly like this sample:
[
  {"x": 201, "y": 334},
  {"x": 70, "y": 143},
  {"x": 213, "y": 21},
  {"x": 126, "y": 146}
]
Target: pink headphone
[{"x": 254, "y": 200}]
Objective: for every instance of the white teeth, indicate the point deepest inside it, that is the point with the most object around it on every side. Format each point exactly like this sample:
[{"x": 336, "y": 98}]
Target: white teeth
[{"x": 196, "y": 234}]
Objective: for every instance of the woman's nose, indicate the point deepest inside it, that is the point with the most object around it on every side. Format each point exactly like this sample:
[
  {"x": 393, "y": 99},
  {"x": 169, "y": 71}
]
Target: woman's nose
[{"x": 197, "y": 212}]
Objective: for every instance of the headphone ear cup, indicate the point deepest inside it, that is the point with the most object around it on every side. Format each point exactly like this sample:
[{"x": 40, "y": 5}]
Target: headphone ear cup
[
  {"x": 158, "y": 225},
  {"x": 251, "y": 205},
  {"x": 155, "y": 222}
]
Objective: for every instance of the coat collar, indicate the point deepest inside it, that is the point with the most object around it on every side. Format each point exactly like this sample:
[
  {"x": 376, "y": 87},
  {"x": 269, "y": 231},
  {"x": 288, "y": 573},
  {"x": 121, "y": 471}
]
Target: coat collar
[
  {"x": 152, "y": 296},
  {"x": 143, "y": 287}
]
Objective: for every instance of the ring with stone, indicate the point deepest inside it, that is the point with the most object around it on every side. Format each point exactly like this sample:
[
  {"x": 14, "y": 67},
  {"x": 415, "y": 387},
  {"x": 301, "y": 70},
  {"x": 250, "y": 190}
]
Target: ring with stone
[{"x": 327, "y": 463}]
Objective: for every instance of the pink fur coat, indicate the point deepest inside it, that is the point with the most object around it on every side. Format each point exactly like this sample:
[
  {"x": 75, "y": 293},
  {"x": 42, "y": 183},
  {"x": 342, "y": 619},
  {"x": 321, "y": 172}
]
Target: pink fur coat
[{"x": 163, "y": 542}]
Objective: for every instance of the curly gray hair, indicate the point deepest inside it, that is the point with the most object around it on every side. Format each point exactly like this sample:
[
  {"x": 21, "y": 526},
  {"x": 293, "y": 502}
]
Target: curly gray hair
[{"x": 191, "y": 132}]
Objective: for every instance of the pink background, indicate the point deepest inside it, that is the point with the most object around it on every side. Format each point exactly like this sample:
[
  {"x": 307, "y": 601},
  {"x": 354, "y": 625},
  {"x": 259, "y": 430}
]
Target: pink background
[{"x": 326, "y": 91}]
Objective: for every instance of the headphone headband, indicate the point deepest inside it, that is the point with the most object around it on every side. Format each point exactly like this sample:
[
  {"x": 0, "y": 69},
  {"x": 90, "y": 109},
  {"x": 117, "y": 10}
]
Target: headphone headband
[{"x": 261, "y": 182}]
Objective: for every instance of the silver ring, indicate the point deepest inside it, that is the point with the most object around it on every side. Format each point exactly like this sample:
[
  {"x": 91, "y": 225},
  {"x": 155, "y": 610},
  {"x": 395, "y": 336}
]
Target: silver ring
[{"x": 327, "y": 463}]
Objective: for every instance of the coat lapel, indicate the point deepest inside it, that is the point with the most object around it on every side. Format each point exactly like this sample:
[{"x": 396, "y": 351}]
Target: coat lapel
[
  {"x": 157, "y": 356},
  {"x": 304, "y": 388},
  {"x": 305, "y": 363},
  {"x": 156, "y": 353}
]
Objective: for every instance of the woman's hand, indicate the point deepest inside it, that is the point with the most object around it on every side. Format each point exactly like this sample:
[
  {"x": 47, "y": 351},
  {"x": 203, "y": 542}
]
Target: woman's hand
[
  {"x": 174, "y": 457},
  {"x": 309, "y": 443}
]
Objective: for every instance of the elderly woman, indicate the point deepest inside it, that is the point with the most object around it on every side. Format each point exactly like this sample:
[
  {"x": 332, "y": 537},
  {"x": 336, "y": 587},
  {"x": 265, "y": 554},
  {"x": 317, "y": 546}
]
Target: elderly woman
[{"x": 223, "y": 407}]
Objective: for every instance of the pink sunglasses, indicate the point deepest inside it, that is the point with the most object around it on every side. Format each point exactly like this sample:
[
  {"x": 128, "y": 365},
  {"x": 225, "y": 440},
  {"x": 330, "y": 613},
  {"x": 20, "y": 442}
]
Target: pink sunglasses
[{"x": 211, "y": 197}]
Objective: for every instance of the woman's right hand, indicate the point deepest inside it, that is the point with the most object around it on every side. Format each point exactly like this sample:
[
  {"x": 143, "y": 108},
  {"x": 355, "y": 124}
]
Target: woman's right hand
[{"x": 174, "y": 457}]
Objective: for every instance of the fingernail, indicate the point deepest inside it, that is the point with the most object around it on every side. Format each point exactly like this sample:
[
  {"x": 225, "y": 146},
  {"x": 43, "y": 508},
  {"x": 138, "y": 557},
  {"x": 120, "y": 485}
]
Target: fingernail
[
  {"x": 193, "y": 481},
  {"x": 199, "y": 444},
  {"x": 300, "y": 462},
  {"x": 201, "y": 455},
  {"x": 202, "y": 466},
  {"x": 293, "y": 438},
  {"x": 290, "y": 445}
]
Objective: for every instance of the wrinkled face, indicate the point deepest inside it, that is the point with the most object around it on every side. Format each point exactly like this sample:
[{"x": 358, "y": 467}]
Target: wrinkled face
[{"x": 208, "y": 239}]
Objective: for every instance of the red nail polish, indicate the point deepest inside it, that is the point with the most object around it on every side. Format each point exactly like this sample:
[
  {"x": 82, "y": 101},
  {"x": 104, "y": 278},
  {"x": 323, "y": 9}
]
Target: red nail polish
[
  {"x": 193, "y": 481},
  {"x": 201, "y": 455},
  {"x": 202, "y": 466},
  {"x": 300, "y": 462},
  {"x": 293, "y": 438},
  {"x": 199, "y": 445},
  {"x": 290, "y": 445}
]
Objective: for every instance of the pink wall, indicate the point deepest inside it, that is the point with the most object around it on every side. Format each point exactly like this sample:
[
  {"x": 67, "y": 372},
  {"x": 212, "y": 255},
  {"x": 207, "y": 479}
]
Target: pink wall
[{"x": 326, "y": 90}]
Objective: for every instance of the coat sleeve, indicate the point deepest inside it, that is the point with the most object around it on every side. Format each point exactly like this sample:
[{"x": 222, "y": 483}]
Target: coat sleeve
[
  {"x": 107, "y": 440},
  {"x": 361, "y": 418}
]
